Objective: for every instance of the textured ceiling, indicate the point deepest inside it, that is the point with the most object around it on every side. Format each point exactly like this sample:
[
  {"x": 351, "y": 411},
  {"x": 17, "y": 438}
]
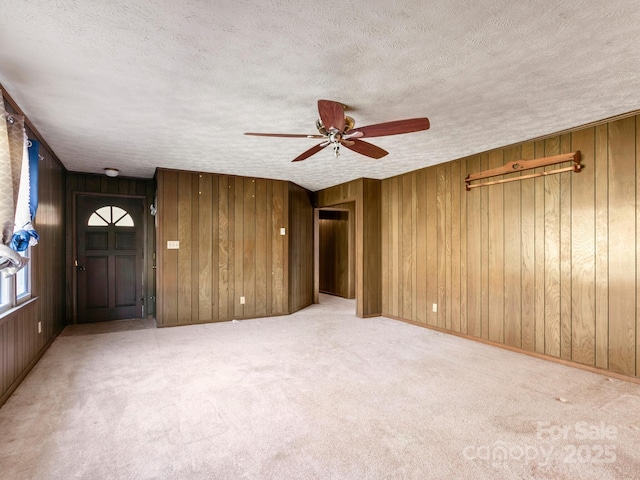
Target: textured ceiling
[{"x": 155, "y": 83}]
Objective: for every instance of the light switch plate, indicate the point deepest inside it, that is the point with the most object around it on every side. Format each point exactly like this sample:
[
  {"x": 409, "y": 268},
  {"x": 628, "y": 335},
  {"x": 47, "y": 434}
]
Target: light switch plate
[
  {"x": 173, "y": 245},
  {"x": 283, "y": 231}
]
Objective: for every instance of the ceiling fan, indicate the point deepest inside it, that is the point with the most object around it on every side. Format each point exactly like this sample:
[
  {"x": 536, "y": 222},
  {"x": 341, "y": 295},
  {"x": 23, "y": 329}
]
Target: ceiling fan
[{"x": 338, "y": 129}]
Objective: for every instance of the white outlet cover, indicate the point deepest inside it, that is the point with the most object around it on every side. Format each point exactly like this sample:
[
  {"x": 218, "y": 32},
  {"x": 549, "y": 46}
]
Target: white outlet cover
[
  {"x": 283, "y": 231},
  {"x": 242, "y": 300}
]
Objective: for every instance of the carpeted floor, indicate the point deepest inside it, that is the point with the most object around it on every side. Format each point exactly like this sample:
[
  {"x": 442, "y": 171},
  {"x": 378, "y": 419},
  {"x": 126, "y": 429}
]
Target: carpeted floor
[{"x": 320, "y": 394}]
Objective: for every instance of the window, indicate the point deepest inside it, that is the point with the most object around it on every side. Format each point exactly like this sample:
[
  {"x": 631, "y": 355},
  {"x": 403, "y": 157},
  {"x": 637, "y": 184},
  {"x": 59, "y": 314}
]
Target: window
[
  {"x": 5, "y": 294},
  {"x": 110, "y": 214},
  {"x": 16, "y": 289},
  {"x": 23, "y": 280}
]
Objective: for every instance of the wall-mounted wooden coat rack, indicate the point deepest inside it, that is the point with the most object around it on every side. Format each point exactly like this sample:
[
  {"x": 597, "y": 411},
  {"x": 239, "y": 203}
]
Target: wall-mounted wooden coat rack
[{"x": 519, "y": 165}]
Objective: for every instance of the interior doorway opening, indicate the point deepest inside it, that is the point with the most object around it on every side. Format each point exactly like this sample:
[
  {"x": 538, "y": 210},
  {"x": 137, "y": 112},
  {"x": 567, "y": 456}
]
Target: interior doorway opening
[{"x": 335, "y": 251}]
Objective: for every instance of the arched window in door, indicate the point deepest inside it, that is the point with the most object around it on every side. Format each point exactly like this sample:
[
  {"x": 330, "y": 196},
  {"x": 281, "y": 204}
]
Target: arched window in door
[{"x": 110, "y": 215}]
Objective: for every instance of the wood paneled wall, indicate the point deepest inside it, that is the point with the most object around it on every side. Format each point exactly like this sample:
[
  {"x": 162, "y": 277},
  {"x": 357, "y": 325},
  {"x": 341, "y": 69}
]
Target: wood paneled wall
[
  {"x": 300, "y": 235},
  {"x": 231, "y": 246},
  {"x": 20, "y": 343},
  {"x": 102, "y": 185},
  {"x": 365, "y": 193},
  {"x": 546, "y": 265}
]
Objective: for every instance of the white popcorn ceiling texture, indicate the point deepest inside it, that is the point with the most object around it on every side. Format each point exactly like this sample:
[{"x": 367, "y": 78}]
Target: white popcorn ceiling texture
[{"x": 155, "y": 83}]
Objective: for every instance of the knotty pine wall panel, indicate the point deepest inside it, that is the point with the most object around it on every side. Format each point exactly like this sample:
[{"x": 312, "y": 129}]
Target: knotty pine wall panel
[
  {"x": 547, "y": 265},
  {"x": 21, "y": 345},
  {"x": 231, "y": 247}
]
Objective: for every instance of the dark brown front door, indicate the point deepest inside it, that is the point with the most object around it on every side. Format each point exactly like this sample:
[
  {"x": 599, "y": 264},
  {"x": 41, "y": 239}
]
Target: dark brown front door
[{"x": 110, "y": 252}]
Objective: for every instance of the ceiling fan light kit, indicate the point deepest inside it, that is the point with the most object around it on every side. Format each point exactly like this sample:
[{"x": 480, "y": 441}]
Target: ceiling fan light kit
[{"x": 337, "y": 129}]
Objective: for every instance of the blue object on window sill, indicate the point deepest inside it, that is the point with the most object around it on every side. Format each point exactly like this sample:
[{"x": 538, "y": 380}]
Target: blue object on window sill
[{"x": 22, "y": 239}]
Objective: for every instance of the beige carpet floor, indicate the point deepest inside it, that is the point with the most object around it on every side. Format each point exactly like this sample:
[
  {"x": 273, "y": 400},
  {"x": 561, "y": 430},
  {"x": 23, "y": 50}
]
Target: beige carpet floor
[{"x": 320, "y": 394}]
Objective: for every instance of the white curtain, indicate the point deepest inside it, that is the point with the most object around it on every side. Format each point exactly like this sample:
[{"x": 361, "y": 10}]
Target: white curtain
[{"x": 13, "y": 155}]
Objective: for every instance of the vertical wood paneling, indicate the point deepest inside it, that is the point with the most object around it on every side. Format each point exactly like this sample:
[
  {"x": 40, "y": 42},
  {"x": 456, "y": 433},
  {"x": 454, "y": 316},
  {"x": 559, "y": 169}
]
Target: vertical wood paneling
[
  {"x": 197, "y": 232},
  {"x": 447, "y": 246},
  {"x": 622, "y": 261},
  {"x": 484, "y": 253},
  {"x": 215, "y": 250},
  {"x": 552, "y": 255},
  {"x": 385, "y": 239},
  {"x": 300, "y": 266},
  {"x": 565, "y": 255},
  {"x": 474, "y": 254},
  {"x": 269, "y": 249},
  {"x": 421, "y": 247},
  {"x": 371, "y": 248},
  {"x": 277, "y": 254},
  {"x": 583, "y": 249},
  {"x": 406, "y": 253},
  {"x": 602, "y": 246},
  {"x": 637, "y": 152},
  {"x": 496, "y": 253},
  {"x": 231, "y": 246},
  {"x": 547, "y": 264},
  {"x": 263, "y": 275},
  {"x": 334, "y": 252},
  {"x": 238, "y": 244},
  {"x": 512, "y": 254},
  {"x": 539, "y": 247},
  {"x": 249, "y": 247},
  {"x": 205, "y": 238},
  {"x": 414, "y": 248},
  {"x": 394, "y": 252},
  {"x": 432, "y": 245},
  {"x": 185, "y": 252},
  {"x": 527, "y": 235},
  {"x": 441, "y": 234},
  {"x": 168, "y": 259},
  {"x": 455, "y": 303},
  {"x": 224, "y": 258}
]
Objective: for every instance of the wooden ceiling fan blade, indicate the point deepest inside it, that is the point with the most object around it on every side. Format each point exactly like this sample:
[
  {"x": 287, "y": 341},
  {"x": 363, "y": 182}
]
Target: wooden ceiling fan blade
[
  {"x": 313, "y": 150},
  {"x": 331, "y": 114},
  {"x": 283, "y": 135},
  {"x": 366, "y": 148},
  {"x": 392, "y": 128}
]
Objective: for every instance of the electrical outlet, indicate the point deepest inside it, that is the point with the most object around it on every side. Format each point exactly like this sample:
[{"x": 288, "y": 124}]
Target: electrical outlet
[
  {"x": 283, "y": 231},
  {"x": 39, "y": 327},
  {"x": 241, "y": 300},
  {"x": 435, "y": 307},
  {"x": 173, "y": 244}
]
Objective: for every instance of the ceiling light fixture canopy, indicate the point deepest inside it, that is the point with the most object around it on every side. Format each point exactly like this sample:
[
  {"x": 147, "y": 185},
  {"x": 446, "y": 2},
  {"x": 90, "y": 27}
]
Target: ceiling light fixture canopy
[{"x": 111, "y": 172}]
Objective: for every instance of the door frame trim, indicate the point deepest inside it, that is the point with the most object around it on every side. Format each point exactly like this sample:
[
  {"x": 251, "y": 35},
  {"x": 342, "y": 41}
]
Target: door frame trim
[
  {"x": 74, "y": 246},
  {"x": 316, "y": 246}
]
